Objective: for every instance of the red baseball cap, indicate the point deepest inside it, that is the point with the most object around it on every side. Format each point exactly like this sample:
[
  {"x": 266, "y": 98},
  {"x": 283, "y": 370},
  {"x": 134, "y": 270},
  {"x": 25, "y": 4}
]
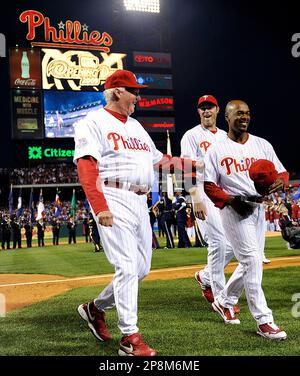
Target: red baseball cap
[
  {"x": 263, "y": 172},
  {"x": 122, "y": 78},
  {"x": 208, "y": 99}
]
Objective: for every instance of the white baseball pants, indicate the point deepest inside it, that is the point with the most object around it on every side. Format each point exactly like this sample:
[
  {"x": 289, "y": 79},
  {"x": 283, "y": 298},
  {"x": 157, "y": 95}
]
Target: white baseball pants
[
  {"x": 247, "y": 237},
  {"x": 220, "y": 251},
  {"x": 128, "y": 246}
]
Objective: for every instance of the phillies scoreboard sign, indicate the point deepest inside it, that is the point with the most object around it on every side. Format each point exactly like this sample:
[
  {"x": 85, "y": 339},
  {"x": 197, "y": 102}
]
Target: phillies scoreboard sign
[
  {"x": 70, "y": 55},
  {"x": 70, "y": 34},
  {"x": 72, "y": 69}
]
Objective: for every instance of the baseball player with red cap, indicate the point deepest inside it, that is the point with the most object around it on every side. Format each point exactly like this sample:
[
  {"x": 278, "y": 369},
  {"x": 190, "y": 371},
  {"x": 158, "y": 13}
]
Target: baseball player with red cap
[
  {"x": 228, "y": 184},
  {"x": 115, "y": 159},
  {"x": 194, "y": 145}
]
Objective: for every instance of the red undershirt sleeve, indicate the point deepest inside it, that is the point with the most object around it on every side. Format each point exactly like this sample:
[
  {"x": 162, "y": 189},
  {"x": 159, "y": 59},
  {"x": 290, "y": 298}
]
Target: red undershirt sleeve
[
  {"x": 216, "y": 194},
  {"x": 90, "y": 180}
]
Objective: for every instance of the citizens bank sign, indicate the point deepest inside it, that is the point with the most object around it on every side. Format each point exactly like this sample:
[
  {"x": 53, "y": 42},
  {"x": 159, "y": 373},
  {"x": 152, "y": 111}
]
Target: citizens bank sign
[{"x": 38, "y": 152}]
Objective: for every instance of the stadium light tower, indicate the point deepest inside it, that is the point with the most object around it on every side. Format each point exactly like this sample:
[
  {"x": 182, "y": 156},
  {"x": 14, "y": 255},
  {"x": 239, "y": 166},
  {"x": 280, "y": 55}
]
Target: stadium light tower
[{"x": 151, "y": 6}]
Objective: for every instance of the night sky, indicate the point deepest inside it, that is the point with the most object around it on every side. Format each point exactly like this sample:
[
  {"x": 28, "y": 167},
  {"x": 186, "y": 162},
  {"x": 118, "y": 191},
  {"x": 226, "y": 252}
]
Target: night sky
[{"x": 231, "y": 49}]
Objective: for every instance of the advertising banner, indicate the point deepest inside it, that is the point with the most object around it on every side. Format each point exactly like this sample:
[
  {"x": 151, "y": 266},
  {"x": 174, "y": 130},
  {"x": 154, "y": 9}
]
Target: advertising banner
[
  {"x": 158, "y": 124},
  {"x": 152, "y": 59},
  {"x": 25, "y": 68},
  {"x": 156, "y": 103},
  {"x": 27, "y": 120}
]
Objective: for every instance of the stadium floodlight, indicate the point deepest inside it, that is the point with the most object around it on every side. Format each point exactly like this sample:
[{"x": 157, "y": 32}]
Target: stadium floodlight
[{"x": 151, "y": 6}]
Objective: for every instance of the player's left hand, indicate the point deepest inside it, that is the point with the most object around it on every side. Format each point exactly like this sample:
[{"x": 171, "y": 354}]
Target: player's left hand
[{"x": 276, "y": 186}]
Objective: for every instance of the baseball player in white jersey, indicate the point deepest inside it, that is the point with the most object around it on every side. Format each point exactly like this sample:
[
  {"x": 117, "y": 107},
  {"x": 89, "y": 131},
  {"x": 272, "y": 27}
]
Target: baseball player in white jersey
[
  {"x": 115, "y": 158},
  {"x": 228, "y": 185},
  {"x": 194, "y": 145}
]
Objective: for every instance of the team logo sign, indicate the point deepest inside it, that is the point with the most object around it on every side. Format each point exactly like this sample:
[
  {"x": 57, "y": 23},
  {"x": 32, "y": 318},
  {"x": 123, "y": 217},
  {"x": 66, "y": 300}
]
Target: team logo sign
[{"x": 77, "y": 69}]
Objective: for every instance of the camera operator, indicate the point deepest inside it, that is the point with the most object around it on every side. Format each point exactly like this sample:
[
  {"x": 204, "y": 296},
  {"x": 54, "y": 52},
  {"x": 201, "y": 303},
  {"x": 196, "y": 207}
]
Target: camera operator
[{"x": 290, "y": 229}]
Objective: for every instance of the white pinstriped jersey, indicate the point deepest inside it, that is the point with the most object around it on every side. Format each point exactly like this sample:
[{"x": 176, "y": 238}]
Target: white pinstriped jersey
[
  {"x": 227, "y": 164},
  {"x": 124, "y": 152},
  {"x": 196, "y": 141}
]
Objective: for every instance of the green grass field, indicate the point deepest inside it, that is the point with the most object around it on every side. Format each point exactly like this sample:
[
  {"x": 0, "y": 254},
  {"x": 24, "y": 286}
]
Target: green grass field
[
  {"x": 173, "y": 316},
  {"x": 80, "y": 260}
]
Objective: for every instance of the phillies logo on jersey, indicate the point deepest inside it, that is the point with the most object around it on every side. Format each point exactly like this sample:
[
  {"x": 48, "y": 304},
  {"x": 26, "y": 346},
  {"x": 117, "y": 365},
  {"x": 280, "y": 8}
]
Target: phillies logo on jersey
[
  {"x": 204, "y": 145},
  {"x": 233, "y": 165},
  {"x": 130, "y": 143}
]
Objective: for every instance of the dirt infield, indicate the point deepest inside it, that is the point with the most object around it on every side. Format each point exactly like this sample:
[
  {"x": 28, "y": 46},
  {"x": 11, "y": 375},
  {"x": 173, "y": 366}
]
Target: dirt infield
[{"x": 21, "y": 290}]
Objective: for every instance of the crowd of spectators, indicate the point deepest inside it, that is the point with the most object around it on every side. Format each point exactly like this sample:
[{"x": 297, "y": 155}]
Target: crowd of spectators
[
  {"x": 276, "y": 205},
  {"x": 279, "y": 204},
  {"x": 44, "y": 174}
]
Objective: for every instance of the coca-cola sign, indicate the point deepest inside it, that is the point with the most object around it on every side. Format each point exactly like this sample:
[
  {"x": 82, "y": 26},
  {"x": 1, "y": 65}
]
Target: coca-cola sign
[
  {"x": 28, "y": 82},
  {"x": 25, "y": 68}
]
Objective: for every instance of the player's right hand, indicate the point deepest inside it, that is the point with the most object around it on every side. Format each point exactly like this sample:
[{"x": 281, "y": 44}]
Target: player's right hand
[
  {"x": 105, "y": 218},
  {"x": 199, "y": 210}
]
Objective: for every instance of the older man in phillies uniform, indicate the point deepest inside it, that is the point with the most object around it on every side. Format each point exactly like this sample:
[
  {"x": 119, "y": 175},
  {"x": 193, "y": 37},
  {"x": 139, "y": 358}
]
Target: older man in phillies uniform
[
  {"x": 115, "y": 158},
  {"x": 194, "y": 145},
  {"x": 228, "y": 184}
]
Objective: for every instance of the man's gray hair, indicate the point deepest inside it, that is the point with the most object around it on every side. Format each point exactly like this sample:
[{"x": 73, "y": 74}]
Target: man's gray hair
[{"x": 109, "y": 93}]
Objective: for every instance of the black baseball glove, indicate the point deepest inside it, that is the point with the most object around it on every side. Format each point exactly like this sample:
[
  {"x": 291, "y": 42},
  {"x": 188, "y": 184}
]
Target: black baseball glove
[{"x": 243, "y": 208}]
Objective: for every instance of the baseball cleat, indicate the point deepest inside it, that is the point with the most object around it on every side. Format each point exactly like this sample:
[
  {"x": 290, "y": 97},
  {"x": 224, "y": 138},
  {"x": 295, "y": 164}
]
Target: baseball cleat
[
  {"x": 227, "y": 314},
  {"x": 266, "y": 261},
  {"x": 271, "y": 331},
  {"x": 205, "y": 290},
  {"x": 236, "y": 309},
  {"x": 95, "y": 320},
  {"x": 134, "y": 345}
]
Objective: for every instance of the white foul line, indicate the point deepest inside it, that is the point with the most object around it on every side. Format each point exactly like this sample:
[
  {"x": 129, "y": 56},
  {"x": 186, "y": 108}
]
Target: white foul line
[{"x": 111, "y": 275}]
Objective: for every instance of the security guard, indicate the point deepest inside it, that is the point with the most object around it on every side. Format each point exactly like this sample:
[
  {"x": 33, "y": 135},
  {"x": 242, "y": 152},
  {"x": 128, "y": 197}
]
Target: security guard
[
  {"x": 41, "y": 232},
  {"x": 71, "y": 225},
  {"x": 28, "y": 232},
  {"x": 6, "y": 231},
  {"x": 165, "y": 218},
  {"x": 55, "y": 230},
  {"x": 179, "y": 205},
  {"x": 16, "y": 226}
]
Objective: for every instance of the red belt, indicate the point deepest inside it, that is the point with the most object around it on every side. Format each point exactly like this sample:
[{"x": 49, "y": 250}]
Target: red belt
[{"x": 132, "y": 188}]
